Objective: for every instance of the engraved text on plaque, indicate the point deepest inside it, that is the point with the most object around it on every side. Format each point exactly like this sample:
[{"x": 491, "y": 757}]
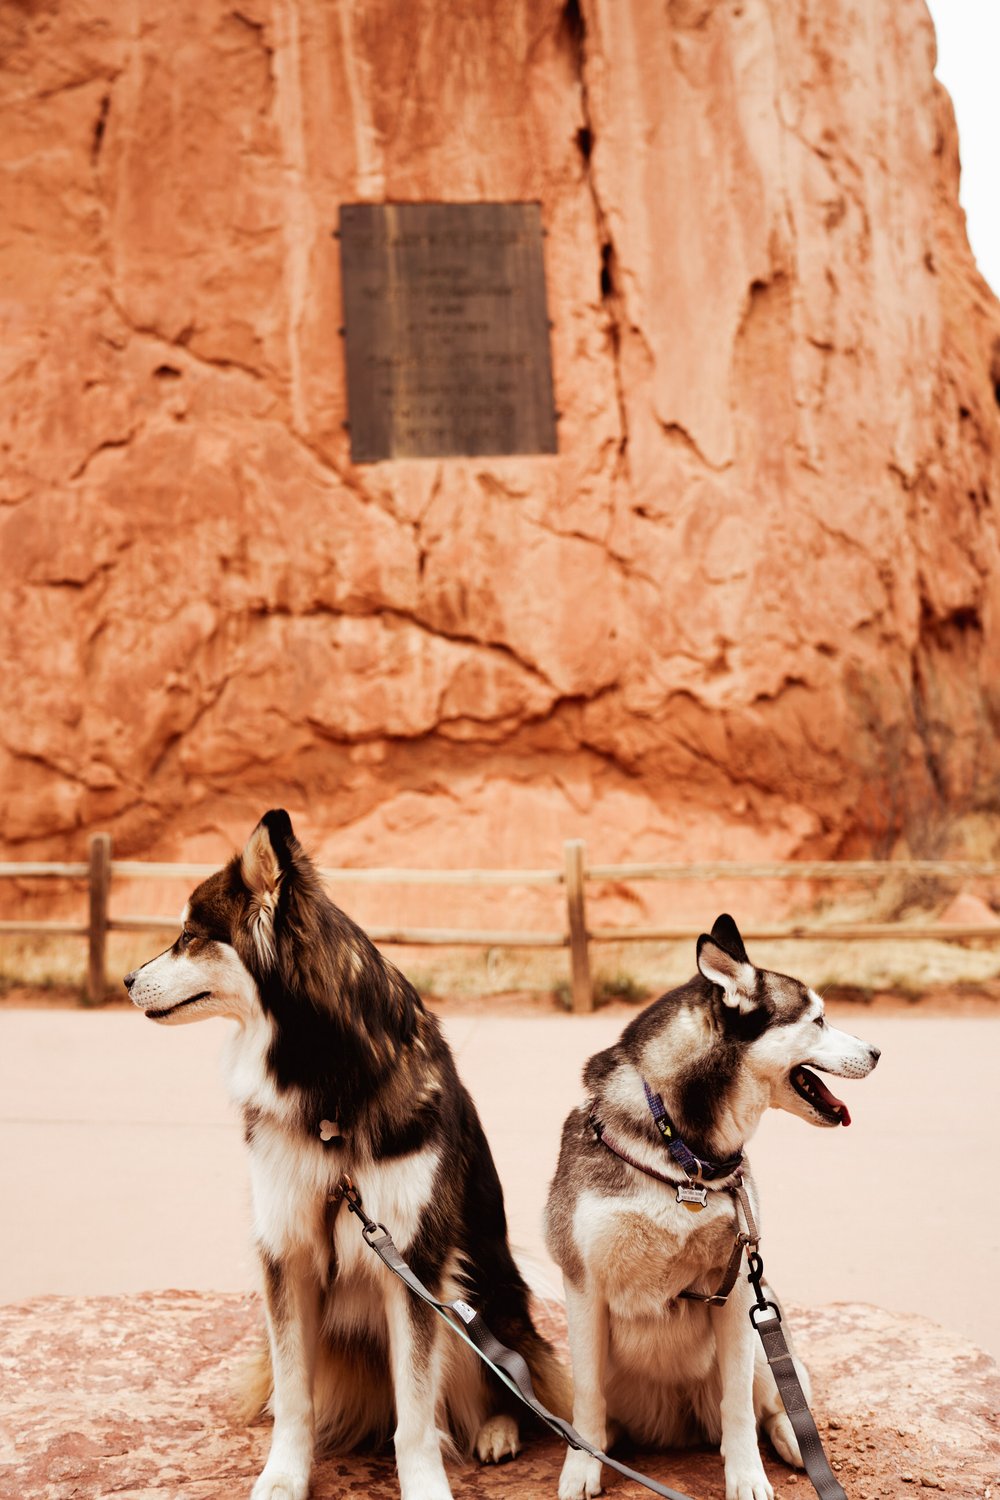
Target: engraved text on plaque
[{"x": 446, "y": 330}]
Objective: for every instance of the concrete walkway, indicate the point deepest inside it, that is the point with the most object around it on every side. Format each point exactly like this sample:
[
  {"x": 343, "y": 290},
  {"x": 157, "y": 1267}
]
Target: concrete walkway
[{"x": 122, "y": 1168}]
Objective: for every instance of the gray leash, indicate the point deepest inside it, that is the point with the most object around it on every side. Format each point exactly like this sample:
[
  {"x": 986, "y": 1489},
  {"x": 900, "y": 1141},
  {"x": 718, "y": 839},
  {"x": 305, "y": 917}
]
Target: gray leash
[
  {"x": 793, "y": 1397},
  {"x": 511, "y": 1368}
]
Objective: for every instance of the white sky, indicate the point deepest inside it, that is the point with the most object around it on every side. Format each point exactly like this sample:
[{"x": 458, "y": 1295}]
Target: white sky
[{"x": 968, "y": 33}]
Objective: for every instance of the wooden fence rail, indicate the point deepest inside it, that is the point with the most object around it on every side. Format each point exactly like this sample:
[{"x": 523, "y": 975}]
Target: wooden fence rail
[{"x": 100, "y": 870}]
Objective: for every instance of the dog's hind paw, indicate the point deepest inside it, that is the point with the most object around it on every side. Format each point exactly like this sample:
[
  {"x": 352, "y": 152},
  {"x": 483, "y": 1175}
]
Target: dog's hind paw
[
  {"x": 785, "y": 1443},
  {"x": 497, "y": 1440},
  {"x": 580, "y": 1477}
]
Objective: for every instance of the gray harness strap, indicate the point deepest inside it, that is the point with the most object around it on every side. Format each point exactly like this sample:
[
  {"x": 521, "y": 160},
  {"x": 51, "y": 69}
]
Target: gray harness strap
[{"x": 729, "y": 1276}]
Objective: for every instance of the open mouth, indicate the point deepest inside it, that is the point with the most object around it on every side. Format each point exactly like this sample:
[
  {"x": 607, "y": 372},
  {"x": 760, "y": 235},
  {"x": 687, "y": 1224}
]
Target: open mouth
[
  {"x": 815, "y": 1092},
  {"x": 157, "y": 1015}
]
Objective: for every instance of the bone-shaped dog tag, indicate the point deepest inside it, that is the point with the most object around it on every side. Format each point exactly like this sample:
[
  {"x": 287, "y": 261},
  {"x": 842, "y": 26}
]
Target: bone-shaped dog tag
[
  {"x": 329, "y": 1130},
  {"x": 694, "y": 1199}
]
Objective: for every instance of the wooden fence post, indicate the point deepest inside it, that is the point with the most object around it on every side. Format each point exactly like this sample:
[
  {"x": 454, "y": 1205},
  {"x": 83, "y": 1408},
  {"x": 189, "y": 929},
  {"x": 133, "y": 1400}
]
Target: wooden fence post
[
  {"x": 99, "y": 885},
  {"x": 579, "y": 954}
]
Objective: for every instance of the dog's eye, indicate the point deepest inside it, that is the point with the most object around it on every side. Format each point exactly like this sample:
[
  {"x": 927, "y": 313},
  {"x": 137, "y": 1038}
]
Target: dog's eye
[
  {"x": 186, "y": 938},
  {"x": 819, "y": 1020}
]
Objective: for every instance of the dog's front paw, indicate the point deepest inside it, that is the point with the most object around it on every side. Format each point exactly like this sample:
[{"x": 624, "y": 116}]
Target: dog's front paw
[
  {"x": 497, "y": 1439},
  {"x": 748, "y": 1482},
  {"x": 580, "y": 1477},
  {"x": 432, "y": 1487},
  {"x": 421, "y": 1474},
  {"x": 273, "y": 1485},
  {"x": 786, "y": 1444}
]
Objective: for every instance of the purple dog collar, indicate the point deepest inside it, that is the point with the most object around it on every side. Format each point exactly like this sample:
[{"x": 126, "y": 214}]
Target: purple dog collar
[{"x": 694, "y": 1166}]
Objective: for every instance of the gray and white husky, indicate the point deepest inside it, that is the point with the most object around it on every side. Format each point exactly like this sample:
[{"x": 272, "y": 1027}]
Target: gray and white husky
[
  {"x": 706, "y": 1060},
  {"x": 336, "y": 1066}
]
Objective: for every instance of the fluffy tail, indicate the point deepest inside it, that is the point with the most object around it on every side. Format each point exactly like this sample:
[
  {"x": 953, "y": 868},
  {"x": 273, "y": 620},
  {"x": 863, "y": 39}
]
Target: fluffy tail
[
  {"x": 351, "y": 1394},
  {"x": 253, "y": 1385},
  {"x": 549, "y": 1375}
]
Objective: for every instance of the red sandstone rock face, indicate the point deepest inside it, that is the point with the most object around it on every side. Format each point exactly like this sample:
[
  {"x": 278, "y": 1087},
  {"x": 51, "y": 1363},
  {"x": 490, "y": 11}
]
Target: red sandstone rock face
[{"x": 752, "y": 606}]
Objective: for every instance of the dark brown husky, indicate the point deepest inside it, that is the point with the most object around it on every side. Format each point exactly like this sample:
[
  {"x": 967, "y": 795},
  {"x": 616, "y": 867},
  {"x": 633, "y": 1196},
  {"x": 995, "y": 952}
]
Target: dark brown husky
[{"x": 337, "y": 1066}]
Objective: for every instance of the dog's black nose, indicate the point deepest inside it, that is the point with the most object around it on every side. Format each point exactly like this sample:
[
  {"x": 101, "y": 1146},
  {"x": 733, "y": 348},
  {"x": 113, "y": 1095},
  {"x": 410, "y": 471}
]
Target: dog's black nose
[
  {"x": 876, "y": 1052},
  {"x": 129, "y": 979}
]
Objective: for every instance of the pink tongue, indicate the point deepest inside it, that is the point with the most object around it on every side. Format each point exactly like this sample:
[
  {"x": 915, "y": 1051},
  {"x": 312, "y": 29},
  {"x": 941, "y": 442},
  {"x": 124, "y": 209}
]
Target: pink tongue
[{"x": 830, "y": 1100}]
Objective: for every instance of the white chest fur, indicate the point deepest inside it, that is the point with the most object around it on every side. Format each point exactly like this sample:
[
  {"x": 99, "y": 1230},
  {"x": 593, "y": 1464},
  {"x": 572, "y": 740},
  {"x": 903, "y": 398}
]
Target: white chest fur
[
  {"x": 394, "y": 1193},
  {"x": 645, "y": 1248},
  {"x": 291, "y": 1181},
  {"x": 244, "y": 1067}
]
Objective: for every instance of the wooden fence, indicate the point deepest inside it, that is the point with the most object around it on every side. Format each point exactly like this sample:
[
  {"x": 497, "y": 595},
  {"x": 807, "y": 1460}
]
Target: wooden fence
[{"x": 100, "y": 870}]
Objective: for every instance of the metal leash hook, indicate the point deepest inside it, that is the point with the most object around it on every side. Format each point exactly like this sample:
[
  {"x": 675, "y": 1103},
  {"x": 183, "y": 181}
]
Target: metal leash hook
[
  {"x": 755, "y": 1276},
  {"x": 346, "y": 1190}
]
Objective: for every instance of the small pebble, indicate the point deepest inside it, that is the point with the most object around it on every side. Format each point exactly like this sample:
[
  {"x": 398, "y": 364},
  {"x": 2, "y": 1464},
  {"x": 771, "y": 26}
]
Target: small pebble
[{"x": 931, "y": 1482}]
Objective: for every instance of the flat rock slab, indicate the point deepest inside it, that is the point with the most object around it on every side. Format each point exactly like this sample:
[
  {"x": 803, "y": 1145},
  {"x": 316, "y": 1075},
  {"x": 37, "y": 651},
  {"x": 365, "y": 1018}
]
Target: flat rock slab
[{"x": 131, "y": 1397}]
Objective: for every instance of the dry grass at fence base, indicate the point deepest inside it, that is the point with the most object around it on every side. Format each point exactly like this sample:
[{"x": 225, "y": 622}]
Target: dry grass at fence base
[{"x": 41, "y": 971}]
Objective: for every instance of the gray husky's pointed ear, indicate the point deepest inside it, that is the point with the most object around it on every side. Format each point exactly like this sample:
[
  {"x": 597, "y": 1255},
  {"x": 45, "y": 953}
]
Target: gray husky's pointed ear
[
  {"x": 727, "y": 935},
  {"x": 263, "y": 864},
  {"x": 736, "y": 977}
]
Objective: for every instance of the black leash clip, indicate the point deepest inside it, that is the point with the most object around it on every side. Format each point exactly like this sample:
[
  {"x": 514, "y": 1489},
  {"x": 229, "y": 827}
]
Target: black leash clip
[
  {"x": 755, "y": 1276},
  {"x": 346, "y": 1190}
]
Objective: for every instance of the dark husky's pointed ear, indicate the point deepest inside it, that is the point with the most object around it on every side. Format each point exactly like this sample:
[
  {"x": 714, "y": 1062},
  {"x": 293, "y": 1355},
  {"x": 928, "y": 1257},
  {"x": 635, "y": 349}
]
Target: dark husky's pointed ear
[
  {"x": 263, "y": 864},
  {"x": 727, "y": 935},
  {"x": 736, "y": 977}
]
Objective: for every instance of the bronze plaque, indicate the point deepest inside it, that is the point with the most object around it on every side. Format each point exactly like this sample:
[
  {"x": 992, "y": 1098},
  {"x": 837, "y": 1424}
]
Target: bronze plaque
[{"x": 446, "y": 330}]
